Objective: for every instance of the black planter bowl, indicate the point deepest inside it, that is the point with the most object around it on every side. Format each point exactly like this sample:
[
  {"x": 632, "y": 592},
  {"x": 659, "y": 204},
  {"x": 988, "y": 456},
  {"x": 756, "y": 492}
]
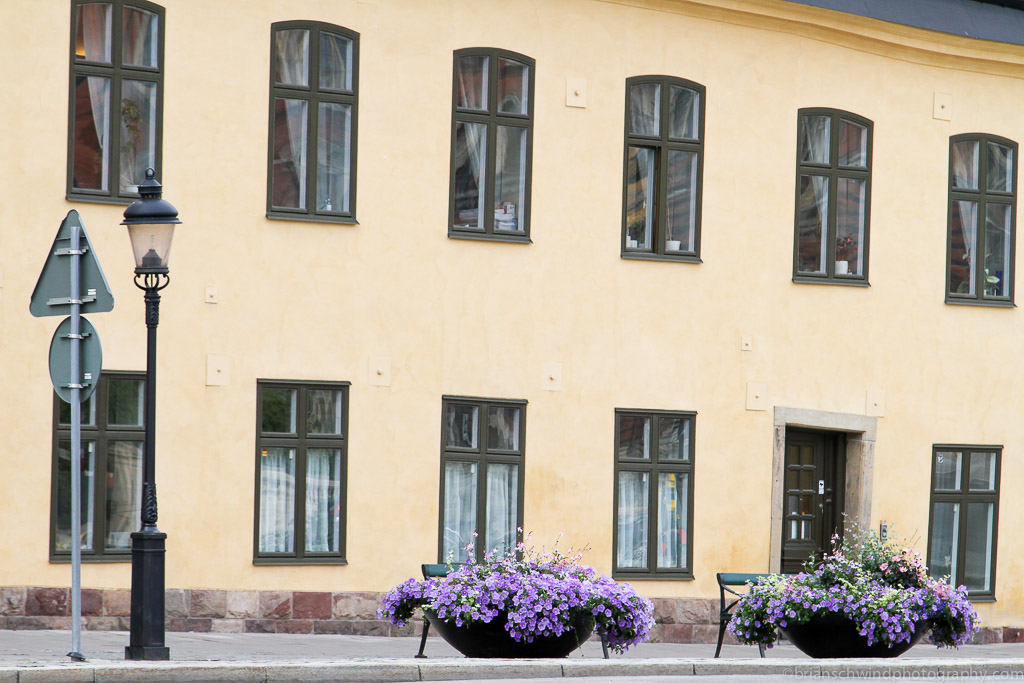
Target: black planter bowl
[
  {"x": 833, "y": 635},
  {"x": 491, "y": 640}
]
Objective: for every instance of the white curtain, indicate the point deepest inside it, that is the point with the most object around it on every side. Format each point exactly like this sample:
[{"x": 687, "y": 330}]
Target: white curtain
[
  {"x": 473, "y": 71},
  {"x": 1000, "y": 163},
  {"x": 502, "y": 507},
  {"x": 470, "y": 152},
  {"x": 277, "y": 500},
  {"x": 124, "y": 491},
  {"x": 633, "y": 520},
  {"x": 672, "y": 509},
  {"x": 95, "y": 22},
  {"x": 140, "y": 37},
  {"x": 459, "y": 509},
  {"x": 965, "y": 164},
  {"x": 323, "y": 500},
  {"x": 968, "y": 212},
  {"x": 291, "y": 56},
  {"x": 814, "y": 139},
  {"x": 645, "y": 109}
]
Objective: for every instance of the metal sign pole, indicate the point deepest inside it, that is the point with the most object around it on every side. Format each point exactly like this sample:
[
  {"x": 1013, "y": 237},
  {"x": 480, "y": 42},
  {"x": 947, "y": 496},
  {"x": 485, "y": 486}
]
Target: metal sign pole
[{"x": 76, "y": 448}]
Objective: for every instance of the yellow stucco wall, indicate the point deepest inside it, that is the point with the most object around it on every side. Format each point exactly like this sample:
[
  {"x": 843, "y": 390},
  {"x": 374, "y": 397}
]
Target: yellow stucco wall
[{"x": 316, "y": 301}]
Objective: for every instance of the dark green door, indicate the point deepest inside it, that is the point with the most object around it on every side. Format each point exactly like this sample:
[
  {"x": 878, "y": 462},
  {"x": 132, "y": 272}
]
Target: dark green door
[{"x": 813, "y": 501}]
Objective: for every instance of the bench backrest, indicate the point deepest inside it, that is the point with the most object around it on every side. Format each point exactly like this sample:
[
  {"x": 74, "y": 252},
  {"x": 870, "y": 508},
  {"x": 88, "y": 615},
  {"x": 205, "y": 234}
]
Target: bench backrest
[
  {"x": 435, "y": 570},
  {"x": 735, "y": 579}
]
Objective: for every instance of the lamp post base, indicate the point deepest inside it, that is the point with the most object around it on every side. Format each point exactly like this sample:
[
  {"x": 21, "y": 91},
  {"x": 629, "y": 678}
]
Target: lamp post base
[{"x": 146, "y": 635}]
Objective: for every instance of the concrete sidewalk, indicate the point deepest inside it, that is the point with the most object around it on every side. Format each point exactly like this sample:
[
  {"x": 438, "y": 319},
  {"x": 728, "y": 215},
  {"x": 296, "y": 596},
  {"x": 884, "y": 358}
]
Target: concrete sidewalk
[{"x": 40, "y": 656}]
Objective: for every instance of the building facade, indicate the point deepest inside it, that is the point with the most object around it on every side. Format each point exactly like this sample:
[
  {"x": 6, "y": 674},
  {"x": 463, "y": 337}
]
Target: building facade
[{"x": 690, "y": 282}]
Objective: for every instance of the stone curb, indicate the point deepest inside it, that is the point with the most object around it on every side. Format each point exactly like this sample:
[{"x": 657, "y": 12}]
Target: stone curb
[{"x": 404, "y": 671}]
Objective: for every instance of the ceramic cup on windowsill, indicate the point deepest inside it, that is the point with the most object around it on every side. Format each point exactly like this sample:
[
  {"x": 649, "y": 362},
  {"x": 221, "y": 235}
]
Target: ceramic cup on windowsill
[
  {"x": 842, "y": 267},
  {"x": 673, "y": 245}
]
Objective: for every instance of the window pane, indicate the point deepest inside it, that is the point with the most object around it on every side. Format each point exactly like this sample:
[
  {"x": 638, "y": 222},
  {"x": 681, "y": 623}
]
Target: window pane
[
  {"x": 673, "y": 489},
  {"x": 947, "y": 471},
  {"x": 997, "y": 249},
  {"x": 92, "y": 32},
  {"x": 471, "y": 82},
  {"x": 814, "y": 139},
  {"x": 681, "y": 225},
  {"x": 138, "y": 132},
  {"x": 674, "y": 440},
  {"x": 459, "y": 510},
  {"x": 503, "y": 428},
  {"x": 124, "y": 493},
  {"x": 965, "y": 164},
  {"x": 641, "y": 179},
  {"x": 291, "y": 57},
  {"x": 277, "y": 500},
  {"x": 631, "y": 552},
  {"x": 139, "y": 43},
  {"x": 323, "y": 500},
  {"x": 812, "y": 225},
  {"x": 983, "y": 472},
  {"x": 461, "y": 425},
  {"x": 510, "y": 179},
  {"x": 853, "y": 144},
  {"x": 1000, "y": 168},
  {"x": 635, "y": 437},
  {"x": 850, "y": 214},
  {"x": 289, "y": 181},
  {"x": 323, "y": 411},
  {"x": 63, "y": 522},
  {"x": 91, "y": 133},
  {"x": 335, "y": 62},
  {"x": 978, "y": 553},
  {"x": 87, "y": 414},
  {"x": 333, "y": 162},
  {"x": 684, "y": 112},
  {"x": 470, "y": 162},
  {"x": 279, "y": 410},
  {"x": 645, "y": 109},
  {"x": 513, "y": 86},
  {"x": 125, "y": 401},
  {"x": 945, "y": 540},
  {"x": 502, "y": 507},
  {"x": 963, "y": 268}
]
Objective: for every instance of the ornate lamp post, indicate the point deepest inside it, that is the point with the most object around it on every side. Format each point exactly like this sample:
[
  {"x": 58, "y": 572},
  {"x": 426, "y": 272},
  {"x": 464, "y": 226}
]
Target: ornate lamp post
[{"x": 150, "y": 222}]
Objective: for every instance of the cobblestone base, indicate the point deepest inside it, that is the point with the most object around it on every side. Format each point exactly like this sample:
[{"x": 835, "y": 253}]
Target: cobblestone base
[{"x": 678, "y": 620}]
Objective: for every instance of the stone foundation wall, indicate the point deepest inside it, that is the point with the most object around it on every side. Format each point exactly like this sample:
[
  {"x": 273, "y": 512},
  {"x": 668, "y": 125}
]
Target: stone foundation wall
[{"x": 678, "y": 620}]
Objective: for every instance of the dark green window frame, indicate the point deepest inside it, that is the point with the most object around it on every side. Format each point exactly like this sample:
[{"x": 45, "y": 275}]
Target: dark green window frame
[
  {"x": 492, "y": 433},
  {"x": 819, "y": 251},
  {"x": 117, "y": 72},
  {"x": 958, "y": 480},
  {"x": 491, "y": 119},
  {"x": 962, "y": 274},
  {"x": 647, "y": 236},
  {"x": 101, "y": 433},
  {"x": 654, "y": 465},
  {"x": 313, "y": 97},
  {"x": 300, "y": 441}
]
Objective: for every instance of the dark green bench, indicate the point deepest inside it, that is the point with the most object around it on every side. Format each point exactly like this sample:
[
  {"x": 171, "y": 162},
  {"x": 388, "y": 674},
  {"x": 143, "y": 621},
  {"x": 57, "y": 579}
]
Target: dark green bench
[
  {"x": 726, "y": 582},
  {"x": 432, "y": 571}
]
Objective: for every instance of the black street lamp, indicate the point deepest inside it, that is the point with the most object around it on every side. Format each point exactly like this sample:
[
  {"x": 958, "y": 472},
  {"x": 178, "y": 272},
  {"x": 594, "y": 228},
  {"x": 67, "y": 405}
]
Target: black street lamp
[{"x": 150, "y": 222}]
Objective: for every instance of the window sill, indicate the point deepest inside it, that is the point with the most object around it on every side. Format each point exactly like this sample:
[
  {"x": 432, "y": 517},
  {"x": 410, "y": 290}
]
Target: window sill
[
  {"x": 987, "y": 303},
  {"x": 824, "y": 281},
  {"x": 100, "y": 199},
  {"x": 644, "y": 256},
  {"x": 91, "y": 559},
  {"x": 982, "y": 598},
  {"x": 283, "y": 561},
  {"x": 489, "y": 237},
  {"x": 306, "y": 218},
  {"x": 623, "y": 576}
]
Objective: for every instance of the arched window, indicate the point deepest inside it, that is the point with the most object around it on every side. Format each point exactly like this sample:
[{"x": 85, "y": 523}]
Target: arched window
[
  {"x": 314, "y": 74},
  {"x": 116, "y": 103},
  {"x": 833, "y": 197},
  {"x": 664, "y": 164},
  {"x": 492, "y": 143},
  {"x": 982, "y": 201}
]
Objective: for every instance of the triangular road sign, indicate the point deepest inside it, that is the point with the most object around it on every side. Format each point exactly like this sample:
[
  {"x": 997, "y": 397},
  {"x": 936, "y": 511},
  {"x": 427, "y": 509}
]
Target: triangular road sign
[{"x": 52, "y": 295}]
